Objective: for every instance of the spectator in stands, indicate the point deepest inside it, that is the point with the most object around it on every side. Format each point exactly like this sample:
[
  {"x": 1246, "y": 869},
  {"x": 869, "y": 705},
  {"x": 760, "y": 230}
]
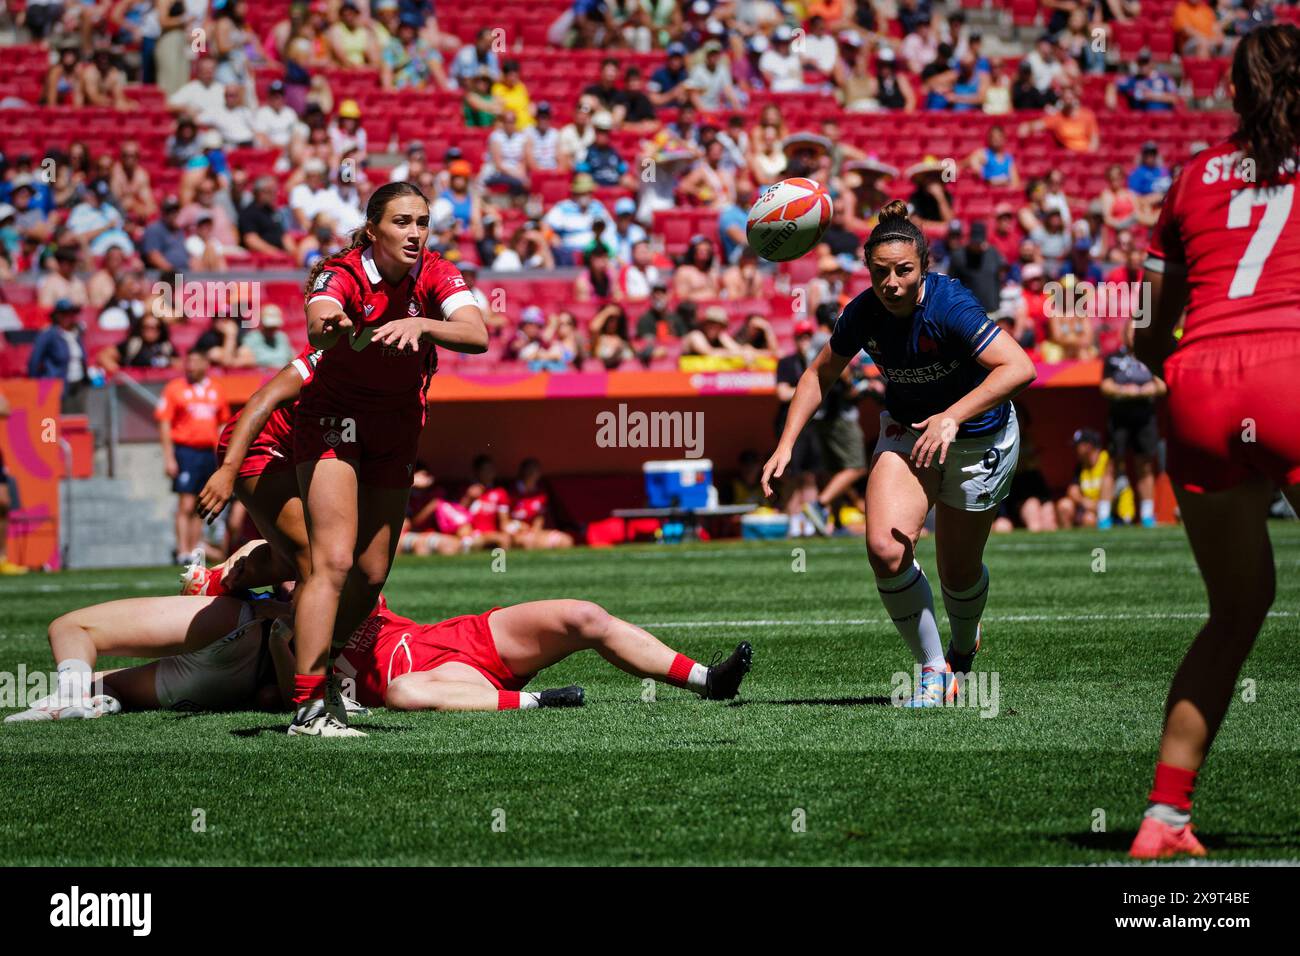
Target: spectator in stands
[
  {"x": 1090, "y": 492},
  {"x": 480, "y": 108},
  {"x": 711, "y": 78},
  {"x": 212, "y": 204},
  {"x": 743, "y": 280},
  {"x": 417, "y": 161},
  {"x": 576, "y": 137},
  {"x": 979, "y": 267},
  {"x": 1148, "y": 89},
  {"x": 269, "y": 345},
  {"x": 920, "y": 45},
  {"x": 1052, "y": 195},
  {"x": 636, "y": 111},
  {"x": 1034, "y": 308},
  {"x": 767, "y": 158},
  {"x": 30, "y": 219},
  {"x": 1026, "y": 96},
  {"x": 531, "y": 346},
  {"x": 512, "y": 95},
  {"x": 162, "y": 246},
  {"x": 605, "y": 90},
  {"x": 710, "y": 182},
  {"x": 888, "y": 88},
  {"x": 627, "y": 231},
  {"x": 1071, "y": 336},
  {"x": 610, "y": 342},
  {"x": 596, "y": 281},
  {"x": 103, "y": 82},
  {"x": 223, "y": 345},
  {"x": 473, "y": 58},
  {"x": 992, "y": 162},
  {"x": 63, "y": 80},
  {"x": 668, "y": 84},
  {"x": 562, "y": 333},
  {"x": 602, "y": 161},
  {"x": 147, "y": 345},
  {"x": 1149, "y": 181},
  {"x": 202, "y": 96},
  {"x": 58, "y": 352},
  {"x": 1111, "y": 324},
  {"x": 1119, "y": 203},
  {"x": 95, "y": 223},
  {"x": 131, "y": 186},
  {"x": 190, "y": 414},
  {"x": 1197, "y": 31},
  {"x": 125, "y": 304},
  {"x": 543, "y": 139},
  {"x": 1247, "y": 15},
  {"x": 1045, "y": 64},
  {"x": 1074, "y": 126},
  {"x": 637, "y": 277},
  {"x": 1053, "y": 240},
  {"x": 572, "y": 220},
  {"x": 410, "y": 62},
  {"x": 260, "y": 227},
  {"x": 506, "y": 162},
  {"x": 528, "y": 249},
  {"x": 711, "y": 338},
  {"x": 62, "y": 284},
  {"x": 696, "y": 278},
  {"x": 1080, "y": 264},
  {"x": 104, "y": 281},
  {"x": 756, "y": 337},
  {"x": 347, "y": 135},
  {"x": 930, "y": 200},
  {"x": 660, "y": 325},
  {"x": 184, "y": 144},
  {"x": 207, "y": 252},
  {"x": 231, "y": 41},
  {"x": 352, "y": 42},
  {"x": 781, "y": 66},
  {"x": 314, "y": 196}
]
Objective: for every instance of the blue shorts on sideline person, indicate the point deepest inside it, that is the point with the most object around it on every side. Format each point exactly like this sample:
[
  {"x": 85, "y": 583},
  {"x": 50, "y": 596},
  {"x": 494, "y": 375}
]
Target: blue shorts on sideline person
[{"x": 194, "y": 466}]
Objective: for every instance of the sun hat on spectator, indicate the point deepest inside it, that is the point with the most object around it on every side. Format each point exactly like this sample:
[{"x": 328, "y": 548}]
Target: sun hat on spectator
[
  {"x": 603, "y": 121},
  {"x": 803, "y": 140},
  {"x": 887, "y": 54},
  {"x": 64, "y": 305},
  {"x": 1004, "y": 209},
  {"x": 170, "y": 204},
  {"x": 804, "y": 327},
  {"x": 1031, "y": 271},
  {"x": 850, "y": 38},
  {"x": 582, "y": 184},
  {"x": 315, "y": 167},
  {"x": 758, "y": 43},
  {"x": 276, "y": 88},
  {"x": 716, "y": 313},
  {"x": 414, "y": 146},
  {"x": 712, "y": 46},
  {"x": 544, "y": 108},
  {"x": 782, "y": 34},
  {"x": 272, "y": 317},
  {"x": 676, "y": 49},
  {"x": 349, "y": 109},
  {"x": 460, "y": 167},
  {"x": 871, "y": 165},
  {"x": 927, "y": 166},
  {"x": 532, "y": 315},
  {"x": 468, "y": 265},
  {"x": 7, "y": 211},
  {"x": 626, "y": 206}
]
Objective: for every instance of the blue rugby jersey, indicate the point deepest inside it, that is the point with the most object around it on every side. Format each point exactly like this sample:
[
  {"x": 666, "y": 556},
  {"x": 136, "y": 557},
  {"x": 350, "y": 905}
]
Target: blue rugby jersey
[{"x": 928, "y": 363}]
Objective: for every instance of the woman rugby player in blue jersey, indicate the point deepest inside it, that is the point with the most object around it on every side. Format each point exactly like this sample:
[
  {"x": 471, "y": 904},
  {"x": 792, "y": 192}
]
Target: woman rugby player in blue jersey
[{"x": 948, "y": 439}]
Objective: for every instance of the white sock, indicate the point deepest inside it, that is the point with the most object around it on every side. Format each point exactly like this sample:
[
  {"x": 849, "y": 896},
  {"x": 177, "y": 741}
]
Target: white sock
[
  {"x": 964, "y": 610},
  {"x": 529, "y": 700},
  {"x": 698, "y": 679},
  {"x": 910, "y": 604},
  {"x": 1170, "y": 815},
  {"x": 75, "y": 677},
  {"x": 1103, "y": 511},
  {"x": 1147, "y": 509}
]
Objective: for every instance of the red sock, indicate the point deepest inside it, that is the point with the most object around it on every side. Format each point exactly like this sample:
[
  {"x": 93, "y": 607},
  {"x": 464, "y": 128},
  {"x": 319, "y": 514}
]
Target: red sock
[
  {"x": 307, "y": 687},
  {"x": 1173, "y": 786},
  {"x": 680, "y": 670},
  {"x": 507, "y": 700},
  {"x": 214, "y": 587}
]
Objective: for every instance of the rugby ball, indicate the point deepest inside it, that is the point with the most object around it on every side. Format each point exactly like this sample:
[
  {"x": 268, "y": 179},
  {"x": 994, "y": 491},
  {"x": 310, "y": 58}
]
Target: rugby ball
[{"x": 788, "y": 219}]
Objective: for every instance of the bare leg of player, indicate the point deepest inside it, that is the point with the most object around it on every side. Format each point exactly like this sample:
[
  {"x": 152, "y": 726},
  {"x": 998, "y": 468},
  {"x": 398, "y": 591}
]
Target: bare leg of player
[
  {"x": 959, "y": 538},
  {"x": 383, "y": 511},
  {"x": 452, "y": 686},
  {"x": 135, "y": 627},
  {"x": 1228, "y": 532},
  {"x": 537, "y": 634}
]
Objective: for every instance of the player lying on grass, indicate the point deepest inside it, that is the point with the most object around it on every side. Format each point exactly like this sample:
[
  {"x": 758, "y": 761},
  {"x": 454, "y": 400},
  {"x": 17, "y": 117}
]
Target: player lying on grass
[{"x": 213, "y": 656}]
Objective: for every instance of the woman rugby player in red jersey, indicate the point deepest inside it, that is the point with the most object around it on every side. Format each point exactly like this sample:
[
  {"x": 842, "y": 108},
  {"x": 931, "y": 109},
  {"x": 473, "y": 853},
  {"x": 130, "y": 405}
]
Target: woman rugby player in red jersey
[
  {"x": 377, "y": 311},
  {"x": 1227, "y": 249},
  {"x": 948, "y": 440}
]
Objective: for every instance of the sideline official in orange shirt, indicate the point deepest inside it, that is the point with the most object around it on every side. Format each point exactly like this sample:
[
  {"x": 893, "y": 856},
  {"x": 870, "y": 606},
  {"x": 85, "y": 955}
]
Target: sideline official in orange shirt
[{"x": 190, "y": 414}]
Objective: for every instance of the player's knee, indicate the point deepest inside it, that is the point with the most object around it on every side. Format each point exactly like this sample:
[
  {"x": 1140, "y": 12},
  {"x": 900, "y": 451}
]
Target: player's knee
[
  {"x": 335, "y": 563},
  {"x": 887, "y": 553},
  {"x": 586, "y": 619}
]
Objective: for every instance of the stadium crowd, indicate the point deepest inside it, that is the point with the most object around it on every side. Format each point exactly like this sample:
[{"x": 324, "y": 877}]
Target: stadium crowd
[{"x": 271, "y": 152}]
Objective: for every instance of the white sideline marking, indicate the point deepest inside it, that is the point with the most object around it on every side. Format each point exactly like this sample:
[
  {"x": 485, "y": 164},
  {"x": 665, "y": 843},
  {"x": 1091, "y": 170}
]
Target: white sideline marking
[{"x": 993, "y": 619}]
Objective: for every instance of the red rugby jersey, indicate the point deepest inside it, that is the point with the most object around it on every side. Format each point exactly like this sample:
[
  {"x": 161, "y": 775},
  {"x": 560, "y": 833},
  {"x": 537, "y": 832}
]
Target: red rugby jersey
[
  {"x": 367, "y": 377},
  {"x": 376, "y": 653},
  {"x": 527, "y": 505},
  {"x": 485, "y": 510},
  {"x": 1237, "y": 242}
]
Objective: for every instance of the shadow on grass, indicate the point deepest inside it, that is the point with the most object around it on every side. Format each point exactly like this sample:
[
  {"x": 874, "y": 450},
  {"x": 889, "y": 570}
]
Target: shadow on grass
[
  {"x": 283, "y": 730},
  {"x": 822, "y": 702}
]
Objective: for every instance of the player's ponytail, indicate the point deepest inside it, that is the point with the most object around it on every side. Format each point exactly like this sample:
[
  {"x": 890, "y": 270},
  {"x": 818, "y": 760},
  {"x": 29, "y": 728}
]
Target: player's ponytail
[
  {"x": 895, "y": 225},
  {"x": 1266, "y": 97},
  {"x": 375, "y": 207}
]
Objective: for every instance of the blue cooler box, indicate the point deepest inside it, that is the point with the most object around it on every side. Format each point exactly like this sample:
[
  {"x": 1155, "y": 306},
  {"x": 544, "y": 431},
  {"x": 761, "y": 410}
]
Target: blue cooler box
[
  {"x": 678, "y": 484},
  {"x": 764, "y": 527}
]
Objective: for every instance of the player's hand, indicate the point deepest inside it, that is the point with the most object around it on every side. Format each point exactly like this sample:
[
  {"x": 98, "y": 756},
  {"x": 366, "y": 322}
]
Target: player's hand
[
  {"x": 401, "y": 334},
  {"x": 937, "y": 433},
  {"x": 335, "y": 324},
  {"x": 774, "y": 468},
  {"x": 216, "y": 494},
  {"x": 170, "y": 467}
]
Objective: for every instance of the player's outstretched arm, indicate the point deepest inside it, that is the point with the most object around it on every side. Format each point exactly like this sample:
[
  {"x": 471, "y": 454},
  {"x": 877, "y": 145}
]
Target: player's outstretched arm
[
  {"x": 283, "y": 389},
  {"x": 1153, "y": 339},
  {"x": 813, "y": 385}
]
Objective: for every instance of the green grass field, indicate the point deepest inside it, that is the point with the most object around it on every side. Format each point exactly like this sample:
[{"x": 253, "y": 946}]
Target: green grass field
[{"x": 1083, "y": 660}]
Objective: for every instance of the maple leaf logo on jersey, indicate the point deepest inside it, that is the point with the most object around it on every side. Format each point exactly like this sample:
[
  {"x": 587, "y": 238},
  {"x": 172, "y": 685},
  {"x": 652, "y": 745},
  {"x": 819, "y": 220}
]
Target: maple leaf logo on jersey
[{"x": 458, "y": 281}]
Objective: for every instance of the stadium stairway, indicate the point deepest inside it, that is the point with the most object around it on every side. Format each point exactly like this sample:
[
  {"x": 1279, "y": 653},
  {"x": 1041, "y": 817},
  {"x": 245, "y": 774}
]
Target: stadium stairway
[{"x": 121, "y": 522}]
